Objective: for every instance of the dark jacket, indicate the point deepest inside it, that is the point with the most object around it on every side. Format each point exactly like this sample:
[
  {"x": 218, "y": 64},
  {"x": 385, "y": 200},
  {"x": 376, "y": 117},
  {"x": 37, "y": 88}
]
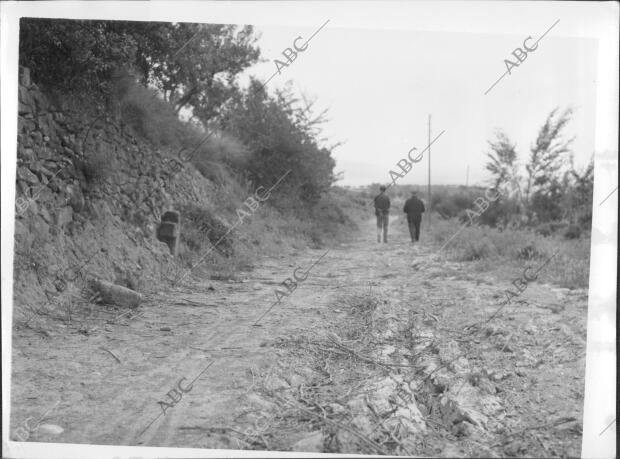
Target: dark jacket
[
  {"x": 382, "y": 204},
  {"x": 413, "y": 207}
]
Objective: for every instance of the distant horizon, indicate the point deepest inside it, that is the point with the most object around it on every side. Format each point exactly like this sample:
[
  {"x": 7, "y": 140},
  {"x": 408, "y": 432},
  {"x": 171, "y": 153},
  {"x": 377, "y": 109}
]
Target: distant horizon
[{"x": 410, "y": 185}]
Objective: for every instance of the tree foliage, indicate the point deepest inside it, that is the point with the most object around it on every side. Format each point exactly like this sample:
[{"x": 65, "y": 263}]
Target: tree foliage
[
  {"x": 200, "y": 69},
  {"x": 74, "y": 55},
  {"x": 547, "y": 155},
  {"x": 193, "y": 65},
  {"x": 502, "y": 159},
  {"x": 554, "y": 189},
  {"x": 281, "y": 135}
]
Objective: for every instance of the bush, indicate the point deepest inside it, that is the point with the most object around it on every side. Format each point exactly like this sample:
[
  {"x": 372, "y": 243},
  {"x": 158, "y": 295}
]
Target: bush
[
  {"x": 555, "y": 226},
  {"x": 549, "y": 228},
  {"x": 211, "y": 170},
  {"x": 226, "y": 149},
  {"x": 528, "y": 252},
  {"x": 200, "y": 225},
  {"x": 510, "y": 249},
  {"x": 476, "y": 250},
  {"x": 74, "y": 55},
  {"x": 544, "y": 229},
  {"x": 451, "y": 205},
  {"x": 148, "y": 115},
  {"x": 281, "y": 136},
  {"x": 572, "y": 232}
]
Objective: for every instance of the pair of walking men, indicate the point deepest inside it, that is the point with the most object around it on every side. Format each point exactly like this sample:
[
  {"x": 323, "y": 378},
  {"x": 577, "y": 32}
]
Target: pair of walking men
[{"x": 414, "y": 208}]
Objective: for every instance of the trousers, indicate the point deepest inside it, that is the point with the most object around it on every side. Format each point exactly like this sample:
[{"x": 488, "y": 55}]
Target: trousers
[
  {"x": 414, "y": 226},
  {"x": 383, "y": 220}
]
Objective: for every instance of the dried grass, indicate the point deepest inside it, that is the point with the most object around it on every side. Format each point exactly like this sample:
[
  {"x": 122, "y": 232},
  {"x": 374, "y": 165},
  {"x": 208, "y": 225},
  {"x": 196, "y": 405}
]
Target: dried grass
[{"x": 328, "y": 373}]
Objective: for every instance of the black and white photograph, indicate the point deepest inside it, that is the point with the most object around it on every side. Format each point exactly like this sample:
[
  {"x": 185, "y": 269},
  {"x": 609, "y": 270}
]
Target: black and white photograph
[{"x": 318, "y": 229}]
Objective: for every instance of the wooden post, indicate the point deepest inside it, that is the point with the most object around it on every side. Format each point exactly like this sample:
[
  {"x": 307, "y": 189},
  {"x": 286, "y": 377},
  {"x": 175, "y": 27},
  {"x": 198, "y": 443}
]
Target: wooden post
[{"x": 429, "y": 171}]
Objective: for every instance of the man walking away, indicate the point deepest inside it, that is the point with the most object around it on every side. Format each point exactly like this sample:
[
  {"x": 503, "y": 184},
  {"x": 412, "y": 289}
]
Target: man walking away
[
  {"x": 382, "y": 211},
  {"x": 414, "y": 208}
]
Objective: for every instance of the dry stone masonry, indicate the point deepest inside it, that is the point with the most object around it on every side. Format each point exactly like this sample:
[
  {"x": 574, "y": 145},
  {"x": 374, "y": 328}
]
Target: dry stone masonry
[{"x": 67, "y": 165}]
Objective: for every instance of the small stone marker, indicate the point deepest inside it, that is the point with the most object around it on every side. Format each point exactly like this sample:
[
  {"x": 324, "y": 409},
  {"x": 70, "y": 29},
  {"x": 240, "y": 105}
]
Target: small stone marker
[{"x": 169, "y": 230}]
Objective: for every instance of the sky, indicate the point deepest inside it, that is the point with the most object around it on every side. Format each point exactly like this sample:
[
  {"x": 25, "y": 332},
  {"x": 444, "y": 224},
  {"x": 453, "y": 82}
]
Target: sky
[{"x": 380, "y": 86}]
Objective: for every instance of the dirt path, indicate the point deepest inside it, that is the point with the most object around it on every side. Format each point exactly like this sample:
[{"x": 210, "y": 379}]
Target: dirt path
[{"x": 533, "y": 358}]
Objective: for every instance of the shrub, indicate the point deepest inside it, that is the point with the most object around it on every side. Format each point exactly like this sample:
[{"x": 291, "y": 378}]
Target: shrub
[
  {"x": 547, "y": 229},
  {"x": 211, "y": 170},
  {"x": 544, "y": 229},
  {"x": 75, "y": 55},
  {"x": 228, "y": 150},
  {"x": 476, "y": 250},
  {"x": 572, "y": 232},
  {"x": 282, "y": 136},
  {"x": 199, "y": 225},
  {"x": 528, "y": 252},
  {"x": 555, "y": 226},
  {"x": 148, "y": 115},
  {"x": 571, "y": 268},
  {"x": 451, "y": 205}
]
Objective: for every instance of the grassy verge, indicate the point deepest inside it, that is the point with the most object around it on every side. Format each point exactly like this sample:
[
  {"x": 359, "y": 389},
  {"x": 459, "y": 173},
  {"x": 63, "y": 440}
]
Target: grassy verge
[
  {"x": 489, "y": 249},
  {"x": 207, "y": 237}
]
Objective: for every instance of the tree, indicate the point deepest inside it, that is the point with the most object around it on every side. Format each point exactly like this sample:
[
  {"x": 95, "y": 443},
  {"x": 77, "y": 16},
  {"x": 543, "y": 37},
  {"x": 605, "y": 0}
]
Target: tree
[
  {"x": 202, "y": 70},
  {"x": 281, "y": 135},
  {"x": 547, "y": 157},
  {"x": 502, "y": 159},
  {"x": 74, "y": 55},
  {"x": 577, "y": 201},
  {"x": 193, "y": 65},
  {"x": 503, "y": 167}
]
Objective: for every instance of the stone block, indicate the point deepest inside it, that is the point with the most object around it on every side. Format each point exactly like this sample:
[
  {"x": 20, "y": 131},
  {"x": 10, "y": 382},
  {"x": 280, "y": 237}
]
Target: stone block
[
  {"x": 167, "y": 230},
  {"x": 37, "y": 137},
  {"x": 27, "y": 176},
  {"x": 312, "y": 443},
  {"x": 26, "y": 126},
  {"x": 25, "y": 140},
  {"x": 25, "y": 98},
  {"x": 22, "y": 108},
  {"x": 40, "y": 100},
  {"x": 24, "y": 76},
  {"x": 117, "y": 294},
  {"x": 41, "y": 171},
  {"x": 45, "y": 215},
  {"x": 39, "y": 227},
  {"x": 75, "y": 197},
  {"x": 64, "y": 216},
  {"x": 171, "y": 216}
]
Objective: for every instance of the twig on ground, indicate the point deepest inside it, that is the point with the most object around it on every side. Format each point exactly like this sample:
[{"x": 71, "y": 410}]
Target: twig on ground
[
  {"x": 562, "y": 420},
  {"x": 370, "y": 360},
  {"x": 547, "y": 454},
  {"x": 398, "y": 441},
  {"x": 353, "y": 432},
  {"x": 110, "y": 352}
]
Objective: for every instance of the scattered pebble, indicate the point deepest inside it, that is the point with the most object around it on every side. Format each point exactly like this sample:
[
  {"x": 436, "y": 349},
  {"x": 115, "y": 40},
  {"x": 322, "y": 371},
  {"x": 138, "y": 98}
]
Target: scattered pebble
[
  {"x": 51, "y": 429},
  {"x": 311, "y": 443}
]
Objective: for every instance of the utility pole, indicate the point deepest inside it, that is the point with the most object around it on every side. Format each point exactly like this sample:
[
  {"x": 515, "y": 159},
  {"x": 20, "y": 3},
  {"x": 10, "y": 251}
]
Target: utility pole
[
  {"x": 429, "y": 170},
  {"x": 467, "y": 177}
]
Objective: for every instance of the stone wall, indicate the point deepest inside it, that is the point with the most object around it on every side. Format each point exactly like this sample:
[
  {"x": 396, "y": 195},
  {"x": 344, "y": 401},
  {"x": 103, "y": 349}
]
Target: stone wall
[
  {"x": 71, "y": 164},
  {"x": 85, "y": 183}
]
